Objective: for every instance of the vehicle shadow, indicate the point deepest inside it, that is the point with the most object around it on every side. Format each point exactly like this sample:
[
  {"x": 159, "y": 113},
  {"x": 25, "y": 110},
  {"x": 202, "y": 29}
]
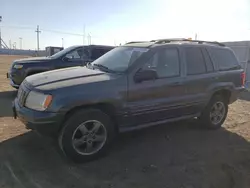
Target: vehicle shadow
[
  {"x": 175, "y": 155},
  {"x": 6, "y": 98},
  {"x": 245, "y": 96}
]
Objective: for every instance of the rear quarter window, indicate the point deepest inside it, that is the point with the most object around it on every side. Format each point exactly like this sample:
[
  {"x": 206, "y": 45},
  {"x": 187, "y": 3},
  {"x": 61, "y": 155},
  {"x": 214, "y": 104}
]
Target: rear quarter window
[{"x": 224, "y": 59}]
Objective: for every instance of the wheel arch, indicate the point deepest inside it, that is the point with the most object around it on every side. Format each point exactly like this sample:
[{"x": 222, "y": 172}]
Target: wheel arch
[
  {"x": 225, "y": 93},
  {"x": 106, "y": 108}
]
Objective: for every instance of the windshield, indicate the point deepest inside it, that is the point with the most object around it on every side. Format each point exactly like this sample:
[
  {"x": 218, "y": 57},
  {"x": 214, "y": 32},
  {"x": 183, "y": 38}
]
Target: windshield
[
  {"x": 120, "y": 58},
  {"x": 63, "y": 52}
]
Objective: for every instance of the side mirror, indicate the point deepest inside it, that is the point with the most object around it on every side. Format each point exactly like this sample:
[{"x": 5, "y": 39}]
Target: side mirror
[
  {"x": 145, "y": 75},
  {"x": 86, "y": 62}
]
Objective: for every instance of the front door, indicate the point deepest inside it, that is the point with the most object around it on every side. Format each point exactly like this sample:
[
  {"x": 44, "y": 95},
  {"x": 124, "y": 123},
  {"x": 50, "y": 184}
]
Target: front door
[
  {"x": 76, "y": 57},
  {"x": 161, "y": 98}
]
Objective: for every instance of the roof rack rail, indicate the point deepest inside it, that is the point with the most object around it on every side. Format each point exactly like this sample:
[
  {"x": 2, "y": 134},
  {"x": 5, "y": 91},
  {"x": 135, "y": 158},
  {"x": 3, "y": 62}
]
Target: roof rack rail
[
  {"x": 160, "y": 41},
  {"x": 170, "y": 39},
  {"x": 135, "y": 42}
]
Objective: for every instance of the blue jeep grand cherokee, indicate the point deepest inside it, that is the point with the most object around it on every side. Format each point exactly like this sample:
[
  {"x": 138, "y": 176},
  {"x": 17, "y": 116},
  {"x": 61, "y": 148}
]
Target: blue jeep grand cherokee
[{"x": 133, "y": 86}]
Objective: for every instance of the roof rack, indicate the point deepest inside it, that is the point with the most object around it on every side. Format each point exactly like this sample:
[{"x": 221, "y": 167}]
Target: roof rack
[
  {"x": 161, "y": 41},
  {"x": 135, "y": 42},
  {"x": 170, "y": 39}
]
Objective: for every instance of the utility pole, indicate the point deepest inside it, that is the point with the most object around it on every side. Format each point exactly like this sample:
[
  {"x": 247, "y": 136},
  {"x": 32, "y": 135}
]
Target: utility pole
[
  {"x": 196, "y": 36},
  {"x": 0, "y": 39},
  {"x": 83, "y": 36},
  {"x": 20, "y": 38},
  {"x": 0, "y": 33},
  {"x": 37, "y": 35},
  {"x": 89, "y": 39}
]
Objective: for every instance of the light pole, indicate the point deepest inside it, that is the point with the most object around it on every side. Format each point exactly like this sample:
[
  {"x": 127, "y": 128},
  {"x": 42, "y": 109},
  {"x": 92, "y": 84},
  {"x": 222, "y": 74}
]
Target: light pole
[
  {"x": 14, "y": 45},
  {"x": 37, "y": 36},
  {"x": 20, "y": 42}
]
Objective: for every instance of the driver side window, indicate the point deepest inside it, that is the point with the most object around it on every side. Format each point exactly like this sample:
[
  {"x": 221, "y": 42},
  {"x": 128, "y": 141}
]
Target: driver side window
[
  {"x": 73, "y": 55},
  {"x": 78, "y": 54},
  {"x": 165, "y": 63}
]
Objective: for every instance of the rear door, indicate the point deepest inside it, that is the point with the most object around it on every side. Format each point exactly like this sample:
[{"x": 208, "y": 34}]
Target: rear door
[
  {"x": 161, "y": 98},
  {"x": 200, "y": 76}
]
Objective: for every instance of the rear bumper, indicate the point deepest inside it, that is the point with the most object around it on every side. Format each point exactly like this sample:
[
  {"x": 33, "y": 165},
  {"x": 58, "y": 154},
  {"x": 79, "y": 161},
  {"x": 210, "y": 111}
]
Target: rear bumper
[
  {"x": 235, "y": 94},
  {"x": 46, "y": 123}
]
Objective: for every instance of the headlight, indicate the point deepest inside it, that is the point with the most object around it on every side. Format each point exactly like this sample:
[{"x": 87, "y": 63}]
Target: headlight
[
  {"x": 18, "y": 66},
  {"x": 38, "y": 101}
]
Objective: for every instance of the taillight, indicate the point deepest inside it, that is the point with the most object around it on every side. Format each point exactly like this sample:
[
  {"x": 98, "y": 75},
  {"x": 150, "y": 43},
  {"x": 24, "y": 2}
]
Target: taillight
[{"x": 243, "y": 78}]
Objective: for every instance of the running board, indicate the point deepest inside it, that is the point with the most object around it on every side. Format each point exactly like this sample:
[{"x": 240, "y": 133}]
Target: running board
[{"x": 142, "y": 126}]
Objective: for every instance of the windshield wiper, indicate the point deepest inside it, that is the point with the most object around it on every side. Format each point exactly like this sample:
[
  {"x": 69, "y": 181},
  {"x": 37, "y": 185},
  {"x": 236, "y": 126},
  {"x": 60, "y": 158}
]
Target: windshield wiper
[{"x": 102, "y": 67}]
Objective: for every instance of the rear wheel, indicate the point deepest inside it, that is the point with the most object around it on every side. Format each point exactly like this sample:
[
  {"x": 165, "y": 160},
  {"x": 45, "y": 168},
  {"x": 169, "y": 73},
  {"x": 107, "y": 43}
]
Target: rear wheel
[
  {"x": 86, "y": 135},
  {"x": 215, "y": 113}
]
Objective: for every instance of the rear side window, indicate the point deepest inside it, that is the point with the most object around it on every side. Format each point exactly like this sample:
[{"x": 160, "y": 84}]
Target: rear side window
[
  {"x": 209, "y": 64},
  {"x": 195, "y": 62},
  {"x": 224, "y": 59},
  {"x": 98, "y": 52}
]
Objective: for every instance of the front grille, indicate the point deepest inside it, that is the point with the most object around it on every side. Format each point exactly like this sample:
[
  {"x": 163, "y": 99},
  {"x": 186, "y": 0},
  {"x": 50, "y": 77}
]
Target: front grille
[{"x": 21, "y": 95}]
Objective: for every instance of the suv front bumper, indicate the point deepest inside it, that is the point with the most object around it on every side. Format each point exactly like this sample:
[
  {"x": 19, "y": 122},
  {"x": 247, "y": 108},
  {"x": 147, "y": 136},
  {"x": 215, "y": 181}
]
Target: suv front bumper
[
  {"x": 15, "y": 77},
  {"x": 45, "y": 123}
]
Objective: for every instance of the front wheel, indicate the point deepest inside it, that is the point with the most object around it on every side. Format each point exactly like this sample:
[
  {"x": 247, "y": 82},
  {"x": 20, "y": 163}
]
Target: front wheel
[
  {"x": 215, "y": 113},
  {"x": 86, "y": 135}
]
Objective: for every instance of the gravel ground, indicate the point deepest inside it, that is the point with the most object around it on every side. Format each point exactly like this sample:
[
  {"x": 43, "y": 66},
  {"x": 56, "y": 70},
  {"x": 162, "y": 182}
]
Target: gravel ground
[{"x": 178, "y": 155}]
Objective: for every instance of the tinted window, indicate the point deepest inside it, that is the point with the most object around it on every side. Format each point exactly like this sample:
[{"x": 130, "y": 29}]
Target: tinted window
[
  {"x": 78, "y": 54},
  {"x": 195, "y": 61},
  {"x": 73, "y": 55},
  {"x": 209, "y": 64},
  {"x": 224, "y": 59},
  {"x": 63, "y": 52},
  {"x": 98, "y": 52},
  {"x": 165, "y": 62}
]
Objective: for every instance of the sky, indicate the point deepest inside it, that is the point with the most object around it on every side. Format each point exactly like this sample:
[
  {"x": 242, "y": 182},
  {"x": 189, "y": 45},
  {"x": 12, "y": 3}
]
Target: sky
[{"x": 113, "y": 22}]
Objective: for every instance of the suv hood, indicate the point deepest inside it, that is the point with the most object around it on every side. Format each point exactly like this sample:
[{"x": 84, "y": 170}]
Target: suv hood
[
  {"x": 32, "y": 59},
  {"x": 66, "y": 77}
]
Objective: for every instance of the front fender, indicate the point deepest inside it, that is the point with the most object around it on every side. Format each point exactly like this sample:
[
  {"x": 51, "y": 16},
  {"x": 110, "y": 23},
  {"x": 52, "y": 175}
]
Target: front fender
[{"x": 29, "y": 72}]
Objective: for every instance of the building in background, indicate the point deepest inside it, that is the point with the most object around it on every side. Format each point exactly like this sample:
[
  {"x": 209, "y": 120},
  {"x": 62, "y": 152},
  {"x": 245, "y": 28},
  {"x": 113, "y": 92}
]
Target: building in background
[{"x": 51, "y": 50}]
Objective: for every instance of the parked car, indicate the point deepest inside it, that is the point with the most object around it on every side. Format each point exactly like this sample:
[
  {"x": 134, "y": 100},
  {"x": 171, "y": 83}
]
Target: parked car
[
  {"x": 69, "y": 57},
  {"x": 131, "y": 87}
]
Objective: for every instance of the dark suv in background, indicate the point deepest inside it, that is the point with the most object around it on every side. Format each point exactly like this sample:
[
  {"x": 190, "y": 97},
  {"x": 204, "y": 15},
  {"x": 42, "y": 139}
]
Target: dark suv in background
[
  {"x": 133, "y": 86},
  {"x": 69, "y": 57}
]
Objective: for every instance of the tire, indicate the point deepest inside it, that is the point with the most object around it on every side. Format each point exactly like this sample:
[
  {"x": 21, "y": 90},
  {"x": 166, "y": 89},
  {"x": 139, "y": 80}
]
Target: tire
[
  {"x": 76, "y": 136},
  {"x": 210, "y": 122}
]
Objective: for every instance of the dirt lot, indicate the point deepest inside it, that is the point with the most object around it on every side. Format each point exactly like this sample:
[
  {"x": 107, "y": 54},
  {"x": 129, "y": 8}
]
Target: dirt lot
[{"x": 179, "y": 155}]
